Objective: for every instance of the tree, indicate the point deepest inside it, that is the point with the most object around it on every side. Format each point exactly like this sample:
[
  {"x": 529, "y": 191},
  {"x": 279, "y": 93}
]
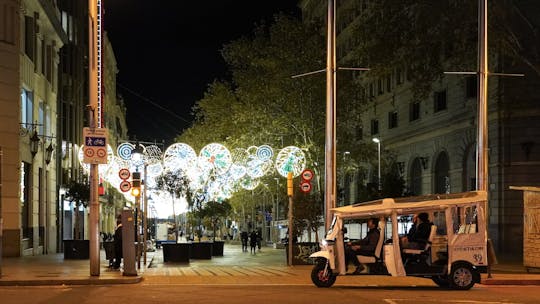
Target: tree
[
  {"x": 428, "y": 37},
  {"x": 176, "y": 183},
  {"x": 78, "y": 193},
  {"x": 307, "y": 213},
  {"x": 214, "y": 211}
]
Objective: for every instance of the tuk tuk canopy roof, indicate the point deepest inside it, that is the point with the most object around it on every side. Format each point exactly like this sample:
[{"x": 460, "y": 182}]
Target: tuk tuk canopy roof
[{"x": 409, "y": 205}]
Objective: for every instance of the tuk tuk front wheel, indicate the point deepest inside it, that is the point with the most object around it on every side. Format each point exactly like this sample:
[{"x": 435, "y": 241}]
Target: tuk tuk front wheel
[
  {"x": 461, "y": 277},
  {"x": 322, "y": 275}
]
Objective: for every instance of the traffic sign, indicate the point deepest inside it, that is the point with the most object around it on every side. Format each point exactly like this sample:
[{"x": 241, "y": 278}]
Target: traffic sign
[
  {"x": 124, "y": 173},
  {"x": 305, "y": 187},
  {"x": 307, "y": 175},
  {"x": 95, "y": 145},
  {"x": 125, "y": 186}
]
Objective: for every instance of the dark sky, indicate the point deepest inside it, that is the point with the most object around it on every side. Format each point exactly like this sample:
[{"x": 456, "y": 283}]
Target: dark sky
[{"x": 167, "y": 53}]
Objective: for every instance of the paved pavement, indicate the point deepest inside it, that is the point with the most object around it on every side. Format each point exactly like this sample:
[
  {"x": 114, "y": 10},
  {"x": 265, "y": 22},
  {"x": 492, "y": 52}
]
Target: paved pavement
[{"x": 233, "y": 268}]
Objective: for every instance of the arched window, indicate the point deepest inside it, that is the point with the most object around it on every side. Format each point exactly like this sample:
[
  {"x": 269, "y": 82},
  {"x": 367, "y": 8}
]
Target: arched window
[
  {"x": 416, "y": 177},
  {"x": 442, "y": 175}
]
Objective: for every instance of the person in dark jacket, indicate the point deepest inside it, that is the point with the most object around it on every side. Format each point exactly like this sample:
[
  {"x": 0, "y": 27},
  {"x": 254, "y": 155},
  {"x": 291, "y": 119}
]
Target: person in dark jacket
[
  {"x": 244, "y": 237},
  {"x": 253, "y": 241},
  {"x": 118, "y": 244},
  {"x": 365, "y": 246},
  {"x": 420, "y": 237}
]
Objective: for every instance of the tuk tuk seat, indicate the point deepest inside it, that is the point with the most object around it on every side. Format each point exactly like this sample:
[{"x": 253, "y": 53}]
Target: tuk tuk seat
[
  {"x": 432, "y": 234},
  {"x": 366, "y": 259}
]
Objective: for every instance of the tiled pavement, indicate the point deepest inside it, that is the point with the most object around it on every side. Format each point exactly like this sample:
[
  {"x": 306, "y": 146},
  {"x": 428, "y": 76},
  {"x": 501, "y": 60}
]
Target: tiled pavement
[{"x": 234, "y": 267}]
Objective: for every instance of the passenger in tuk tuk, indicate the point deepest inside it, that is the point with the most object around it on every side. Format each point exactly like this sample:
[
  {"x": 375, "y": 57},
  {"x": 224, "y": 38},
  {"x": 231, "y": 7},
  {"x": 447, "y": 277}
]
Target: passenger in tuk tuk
[
  {"x": 420, "y": 235},
  {"x": 365, "y": 246}
]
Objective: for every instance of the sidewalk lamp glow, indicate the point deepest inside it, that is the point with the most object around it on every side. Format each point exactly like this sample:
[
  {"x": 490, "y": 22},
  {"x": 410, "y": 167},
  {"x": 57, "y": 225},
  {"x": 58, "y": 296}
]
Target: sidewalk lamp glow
[{"x": 378, "y": 142}]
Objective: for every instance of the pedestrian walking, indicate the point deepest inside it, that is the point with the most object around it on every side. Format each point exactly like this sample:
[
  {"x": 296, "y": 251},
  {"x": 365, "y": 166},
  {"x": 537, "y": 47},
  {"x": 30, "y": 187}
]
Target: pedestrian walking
[
  {"x": 253, "y": 241},
  {"x": 244, "y": 237},
  {"x": 259, "y": 239}
]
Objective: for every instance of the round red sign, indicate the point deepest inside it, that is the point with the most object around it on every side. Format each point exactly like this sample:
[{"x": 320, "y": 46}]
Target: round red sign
[
  {"x": 307, "y": 175},
  {"x": 124, "y": 173},
  {"x": 125, "y": 186},
  {"x": 305, "y": 187}
]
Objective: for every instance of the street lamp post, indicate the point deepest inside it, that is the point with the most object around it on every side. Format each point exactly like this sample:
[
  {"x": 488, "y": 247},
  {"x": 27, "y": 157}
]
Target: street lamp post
[
  {"x": 379, "y": 184},
  {"x": 343, "y": 179},
  {"x": 137, "y": 159},
  {"x": 276, "y": 211}
]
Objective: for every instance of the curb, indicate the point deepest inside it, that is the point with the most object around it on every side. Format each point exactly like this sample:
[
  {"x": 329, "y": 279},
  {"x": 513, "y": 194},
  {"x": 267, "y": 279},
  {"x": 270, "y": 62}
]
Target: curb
[
  {"x": 88, "y": 281},
  {"x": 510, "y": 282}
]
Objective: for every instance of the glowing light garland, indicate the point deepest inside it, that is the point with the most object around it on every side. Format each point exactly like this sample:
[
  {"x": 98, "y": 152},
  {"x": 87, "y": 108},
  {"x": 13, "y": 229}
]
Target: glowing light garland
[{"x": 215, "y": 174}]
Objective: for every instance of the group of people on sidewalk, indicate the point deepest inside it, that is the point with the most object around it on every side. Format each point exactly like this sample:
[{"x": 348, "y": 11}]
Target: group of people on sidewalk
[
  {"x": 254, "y": 238},
  {"x": 415, "y": 238}
]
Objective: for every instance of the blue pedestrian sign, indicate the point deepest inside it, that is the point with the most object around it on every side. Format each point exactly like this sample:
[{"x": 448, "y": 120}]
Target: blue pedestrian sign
[{"x": 95, "y": 142}]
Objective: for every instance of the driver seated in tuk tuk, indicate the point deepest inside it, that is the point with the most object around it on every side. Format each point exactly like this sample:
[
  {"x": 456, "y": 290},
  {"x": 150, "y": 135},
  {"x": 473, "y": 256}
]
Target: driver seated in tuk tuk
[
  {"x": 420, "y": 235},
  {"x": 365, "y": 246}
]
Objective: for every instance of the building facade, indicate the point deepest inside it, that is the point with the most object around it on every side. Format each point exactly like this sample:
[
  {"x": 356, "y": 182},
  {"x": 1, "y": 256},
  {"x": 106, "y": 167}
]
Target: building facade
[
  {"x": 32, "y": 39},
  {"x": 434, "y": 139},
  {"x": 43, "y": 98}
]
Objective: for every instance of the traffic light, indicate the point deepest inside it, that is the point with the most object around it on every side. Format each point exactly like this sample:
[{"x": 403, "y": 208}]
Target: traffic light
[{"x": 136, "y": 184}]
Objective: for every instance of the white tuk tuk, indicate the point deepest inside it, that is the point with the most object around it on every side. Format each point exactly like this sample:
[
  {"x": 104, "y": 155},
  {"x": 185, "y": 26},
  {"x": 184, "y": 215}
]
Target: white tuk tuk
[{"x": 455, "y": 253}]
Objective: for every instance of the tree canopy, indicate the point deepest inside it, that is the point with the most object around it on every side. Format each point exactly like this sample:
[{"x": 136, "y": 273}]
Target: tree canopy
[{"x": 426, "y": 38}]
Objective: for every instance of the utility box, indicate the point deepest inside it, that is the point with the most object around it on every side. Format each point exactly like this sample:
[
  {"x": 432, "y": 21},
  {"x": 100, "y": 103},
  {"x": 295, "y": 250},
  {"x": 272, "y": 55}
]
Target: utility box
[
  {"x": 531, "y": 226},
  {"x": 128, "y": 242}
]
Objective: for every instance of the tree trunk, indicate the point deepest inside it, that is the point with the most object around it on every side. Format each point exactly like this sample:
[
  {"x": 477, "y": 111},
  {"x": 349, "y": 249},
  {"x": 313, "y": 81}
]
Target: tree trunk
[
  {"x": 175, "y": 222},
  {"x": 76, "y": 230}
]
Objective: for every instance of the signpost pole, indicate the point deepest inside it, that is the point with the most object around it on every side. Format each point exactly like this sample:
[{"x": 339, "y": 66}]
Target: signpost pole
[{"x": 290, "y": 216}]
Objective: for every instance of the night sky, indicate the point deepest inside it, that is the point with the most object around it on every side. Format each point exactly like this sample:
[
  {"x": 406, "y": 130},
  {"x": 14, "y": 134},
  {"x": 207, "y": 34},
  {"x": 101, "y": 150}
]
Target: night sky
[{"x": 168, "y": 52}]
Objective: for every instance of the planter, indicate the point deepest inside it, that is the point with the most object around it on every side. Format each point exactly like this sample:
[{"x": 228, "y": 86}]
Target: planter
[
  {"x": 201, "y": 250},
  {"x": 77, "y": 249},
  {"x": 178, "y": 253},
  {"x": 217, "y": 248},
  {"x": 301, "y": 253}
]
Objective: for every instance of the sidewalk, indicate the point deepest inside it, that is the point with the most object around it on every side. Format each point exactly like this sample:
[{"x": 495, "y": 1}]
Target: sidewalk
[
  {"x": 234, "y": 268},
  {"x": 52, "y": 269}
]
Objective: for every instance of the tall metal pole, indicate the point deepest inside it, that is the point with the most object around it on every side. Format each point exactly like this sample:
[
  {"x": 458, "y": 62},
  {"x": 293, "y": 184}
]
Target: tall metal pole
[
  {"x": 1, "y": 217},
  {"x": 330, "y": 148},
  {"x": 482, "y": 135},
  {"x": 290, "y": 218},
  {"x": 93, "y": 105},
  {"x": 482, "y": 132},
  {"x": 379, "y": 166},
  {"x": 145, "y": 219}
]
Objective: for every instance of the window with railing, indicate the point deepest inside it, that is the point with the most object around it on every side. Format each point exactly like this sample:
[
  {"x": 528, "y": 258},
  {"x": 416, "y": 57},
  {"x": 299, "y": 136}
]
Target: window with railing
[
  {"x": 27, "y": 108},
  {"x": 414, "y": 111},
  {"x": 439, "y": 101},
  {"x": 374, "y": 126},
  {"x": 392, "y": 120}
]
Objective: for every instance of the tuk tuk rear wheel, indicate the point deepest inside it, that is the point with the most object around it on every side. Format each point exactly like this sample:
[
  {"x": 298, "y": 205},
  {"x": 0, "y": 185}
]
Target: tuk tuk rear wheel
[
  {"x": 461, "y": 277},
  {"x": 441, "y": 281},
  {"x": 322, "y": 275}
]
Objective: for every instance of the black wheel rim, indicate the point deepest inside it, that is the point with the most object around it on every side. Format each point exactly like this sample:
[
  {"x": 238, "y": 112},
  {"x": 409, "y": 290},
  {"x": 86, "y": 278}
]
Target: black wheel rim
[{"x": 462, "y": 277}]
